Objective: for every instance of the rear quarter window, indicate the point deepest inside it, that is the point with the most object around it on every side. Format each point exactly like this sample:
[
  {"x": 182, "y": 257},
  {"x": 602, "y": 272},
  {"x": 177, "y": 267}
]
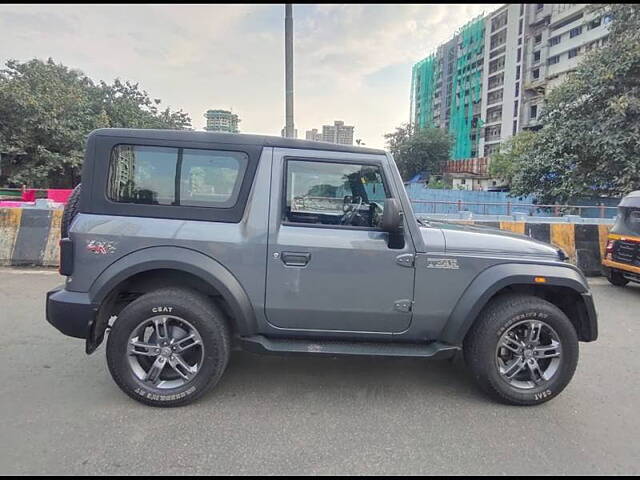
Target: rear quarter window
[{"x": 171, "y": 176}]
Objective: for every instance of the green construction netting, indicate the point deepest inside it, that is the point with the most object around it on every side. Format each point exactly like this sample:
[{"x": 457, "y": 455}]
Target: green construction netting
[
  {"x": 467, "y": 89},
  {"x": 422, "y": 81}
]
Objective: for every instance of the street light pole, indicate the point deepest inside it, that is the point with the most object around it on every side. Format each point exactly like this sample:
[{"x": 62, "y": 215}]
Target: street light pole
[{"x": 288, "y": 53}]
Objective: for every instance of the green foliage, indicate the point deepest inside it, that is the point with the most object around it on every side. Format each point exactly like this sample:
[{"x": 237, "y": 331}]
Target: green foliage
[
  {"x": 47, "y": 110},
  {"x": 506, "y": 162},
  {"x": 589, "y": 143},
  {"x": 418, "y": 150}
]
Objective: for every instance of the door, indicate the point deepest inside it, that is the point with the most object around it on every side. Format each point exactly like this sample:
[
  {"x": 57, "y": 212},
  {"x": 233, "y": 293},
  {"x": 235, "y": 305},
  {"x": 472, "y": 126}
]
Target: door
[{"x": 329, "y": 265}]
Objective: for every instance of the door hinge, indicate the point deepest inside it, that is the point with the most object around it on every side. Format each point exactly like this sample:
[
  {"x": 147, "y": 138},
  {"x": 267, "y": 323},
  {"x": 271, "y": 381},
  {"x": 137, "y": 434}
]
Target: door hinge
[
  {"x": 406, "y": 259},
  {"x": 403, "y": 305}
]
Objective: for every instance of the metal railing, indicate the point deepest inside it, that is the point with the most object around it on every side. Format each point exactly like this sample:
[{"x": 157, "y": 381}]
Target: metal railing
[{"x": 510, "y": 208}]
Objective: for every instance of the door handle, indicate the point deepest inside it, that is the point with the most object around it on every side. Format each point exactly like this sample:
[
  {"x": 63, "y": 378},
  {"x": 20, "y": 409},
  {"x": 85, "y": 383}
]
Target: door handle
[{"x": 295, "y": 259}]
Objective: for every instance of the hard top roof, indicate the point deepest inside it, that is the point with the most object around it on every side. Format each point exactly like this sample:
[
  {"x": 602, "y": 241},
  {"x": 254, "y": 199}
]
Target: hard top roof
[
  {"x": 231, "y": 138},
  {"x": 632, "y": 200}
]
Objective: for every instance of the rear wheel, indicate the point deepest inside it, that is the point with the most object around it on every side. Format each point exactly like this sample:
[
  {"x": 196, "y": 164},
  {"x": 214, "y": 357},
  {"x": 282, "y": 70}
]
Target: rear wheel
[
  {"x": 616, "y": 278},
  {"x": 522, "y": 350},
  {"x": 168, "y": 347}
]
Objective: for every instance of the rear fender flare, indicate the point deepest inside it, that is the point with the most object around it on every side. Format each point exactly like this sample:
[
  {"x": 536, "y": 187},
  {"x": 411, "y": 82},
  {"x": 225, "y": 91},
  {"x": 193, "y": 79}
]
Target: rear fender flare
[{"x": 186, "y": 260}]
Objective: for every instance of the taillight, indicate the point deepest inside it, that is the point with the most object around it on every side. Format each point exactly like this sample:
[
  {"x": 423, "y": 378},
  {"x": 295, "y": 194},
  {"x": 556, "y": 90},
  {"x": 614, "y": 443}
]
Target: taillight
[{"x": 66, "y": 257}]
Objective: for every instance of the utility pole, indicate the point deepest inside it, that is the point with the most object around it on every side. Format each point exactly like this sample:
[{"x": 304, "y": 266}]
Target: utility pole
[{"x": 288, "y": 54}]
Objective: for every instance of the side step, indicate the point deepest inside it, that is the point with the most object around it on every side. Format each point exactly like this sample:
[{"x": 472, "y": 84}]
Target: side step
[{"x": 262, "y": 344}]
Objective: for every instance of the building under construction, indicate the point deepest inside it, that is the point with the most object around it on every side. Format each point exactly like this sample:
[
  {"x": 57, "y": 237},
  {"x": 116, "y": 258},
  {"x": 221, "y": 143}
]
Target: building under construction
[{"x": 488, "y": 82}]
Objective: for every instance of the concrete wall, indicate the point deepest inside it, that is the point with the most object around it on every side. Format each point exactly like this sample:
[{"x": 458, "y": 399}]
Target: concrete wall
[{"x": 29, "y": 236}]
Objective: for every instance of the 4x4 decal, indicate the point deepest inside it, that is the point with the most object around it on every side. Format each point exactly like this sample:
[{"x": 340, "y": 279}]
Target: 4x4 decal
[{"x": 99, "y": 247}]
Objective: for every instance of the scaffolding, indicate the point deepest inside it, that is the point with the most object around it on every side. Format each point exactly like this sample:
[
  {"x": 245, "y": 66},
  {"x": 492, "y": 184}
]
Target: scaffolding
[{"x": 467, "y": 90}]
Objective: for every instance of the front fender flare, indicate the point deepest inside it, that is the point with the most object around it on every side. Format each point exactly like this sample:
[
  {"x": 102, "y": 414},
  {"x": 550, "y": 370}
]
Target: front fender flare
[
  {"x": 494, "y": 279},
  {"x": 186, "y": 260}
]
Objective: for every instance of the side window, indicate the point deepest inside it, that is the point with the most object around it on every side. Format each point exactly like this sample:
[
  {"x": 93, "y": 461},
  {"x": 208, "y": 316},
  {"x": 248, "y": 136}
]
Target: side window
[
  {"x": 175, "y": 176},
  {"x": 143, "y": 175},
  {"x": 339, "y": 194},
  {"x": 210, "y": 179}
]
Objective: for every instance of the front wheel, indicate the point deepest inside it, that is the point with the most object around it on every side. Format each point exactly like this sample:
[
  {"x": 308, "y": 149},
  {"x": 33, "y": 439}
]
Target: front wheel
[
  {"x": 522, "y": 350},
  {"x": 169, "y": 347},
  {"x": 616, "y": 278}
]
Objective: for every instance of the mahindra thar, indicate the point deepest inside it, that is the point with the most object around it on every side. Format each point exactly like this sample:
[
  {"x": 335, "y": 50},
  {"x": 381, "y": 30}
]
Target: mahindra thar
[{"x": 180, "y": 246}]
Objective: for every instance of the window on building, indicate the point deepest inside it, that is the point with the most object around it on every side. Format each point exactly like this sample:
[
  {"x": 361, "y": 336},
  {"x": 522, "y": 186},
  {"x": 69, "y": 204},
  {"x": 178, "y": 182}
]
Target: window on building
[
  {"x": 519, "y": 55},
  {"x": 574, "y": 52},
  {"x": 539, "y": 6},
  {"x": 518, "y": 72},
  {"x": 515, "y": 108},
  {"x": 538, "y": 38},
  {"x": 515, "y": 130},
  {"x": 574, "y": 32},
  {"x": 517, "y": 89},
  {"x": 536, "y": 56},
  {"x": 567, "y": 21},
  {"x": 533, "y": 112},
  {"x": 535, "y": 73},
  {"x": 595, "y": 23},
  {"x": 553, "y": 60},
  {"x": 520, "y": 27},
  {"x": 554, "y": 40}
]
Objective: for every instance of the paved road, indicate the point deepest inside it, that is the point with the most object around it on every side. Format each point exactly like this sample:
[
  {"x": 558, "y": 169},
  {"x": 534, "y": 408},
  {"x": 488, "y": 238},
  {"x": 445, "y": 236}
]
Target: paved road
[{"x": 60, "y": 412}]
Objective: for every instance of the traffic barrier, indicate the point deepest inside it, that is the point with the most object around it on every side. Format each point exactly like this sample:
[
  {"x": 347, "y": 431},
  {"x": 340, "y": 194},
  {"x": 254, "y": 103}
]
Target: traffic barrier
[
  {"x": 30, "y": 237},
  {"x": 584, "y": 244}
]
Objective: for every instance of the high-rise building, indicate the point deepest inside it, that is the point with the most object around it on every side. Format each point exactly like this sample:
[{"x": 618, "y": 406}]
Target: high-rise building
[
  {"x": 314, "y": 135},
  {"x": 283, "y": 132},
  {"x": 487, "y": 83},
  {"x": 338, "y": 133},
  {"x": 222, "y": 121}
]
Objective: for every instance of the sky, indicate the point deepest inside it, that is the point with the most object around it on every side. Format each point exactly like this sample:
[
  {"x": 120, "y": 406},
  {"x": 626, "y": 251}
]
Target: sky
[{"x": 351, "y": 62}]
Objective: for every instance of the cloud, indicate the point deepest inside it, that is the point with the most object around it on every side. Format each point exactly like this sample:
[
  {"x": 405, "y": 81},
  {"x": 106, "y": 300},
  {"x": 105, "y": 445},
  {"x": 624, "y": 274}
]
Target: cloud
[{"x": 352, "y": 62}]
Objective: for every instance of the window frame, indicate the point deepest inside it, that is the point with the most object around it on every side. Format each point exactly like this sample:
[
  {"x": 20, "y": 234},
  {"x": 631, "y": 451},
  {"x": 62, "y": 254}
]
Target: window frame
[
  {"x": 283, "y": 188},
  {"x": 96, "y": 175}
]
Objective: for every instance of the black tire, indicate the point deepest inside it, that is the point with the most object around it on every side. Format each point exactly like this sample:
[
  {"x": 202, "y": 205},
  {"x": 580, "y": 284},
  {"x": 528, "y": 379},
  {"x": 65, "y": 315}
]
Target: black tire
[
  {"x": 616, "y": 278},
  {"x": 481, "y": 344},
  {"x": 70, "y": 211},
  {"x": 197, "y": 309}
]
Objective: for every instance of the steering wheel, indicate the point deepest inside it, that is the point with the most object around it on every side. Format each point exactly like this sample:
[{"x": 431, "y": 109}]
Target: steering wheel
[{"x": 349, "y": 211}]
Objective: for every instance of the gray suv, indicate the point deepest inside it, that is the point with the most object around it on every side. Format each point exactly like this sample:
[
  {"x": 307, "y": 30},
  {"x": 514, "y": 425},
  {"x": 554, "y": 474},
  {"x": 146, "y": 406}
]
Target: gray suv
[{"x": 185, "y": 245}]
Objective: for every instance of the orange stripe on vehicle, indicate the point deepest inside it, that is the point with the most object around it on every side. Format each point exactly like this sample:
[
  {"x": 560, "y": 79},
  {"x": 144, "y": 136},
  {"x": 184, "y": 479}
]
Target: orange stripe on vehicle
[
  {"x": 621, "y": 266},
  {"x": 603, "y": 235},
  {"x": 629, "y": 238}
]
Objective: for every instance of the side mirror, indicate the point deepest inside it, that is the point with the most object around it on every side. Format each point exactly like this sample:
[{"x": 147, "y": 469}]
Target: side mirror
[{"x": 392, "y": 216}]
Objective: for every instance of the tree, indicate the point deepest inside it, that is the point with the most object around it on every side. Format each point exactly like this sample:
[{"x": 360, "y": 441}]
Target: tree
[
  {"x": 48, "y": 109},
  {"x": 589, "y": 143},
  {"x": 505, "y": 163},
  {"x": 419, "y": 150}
]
